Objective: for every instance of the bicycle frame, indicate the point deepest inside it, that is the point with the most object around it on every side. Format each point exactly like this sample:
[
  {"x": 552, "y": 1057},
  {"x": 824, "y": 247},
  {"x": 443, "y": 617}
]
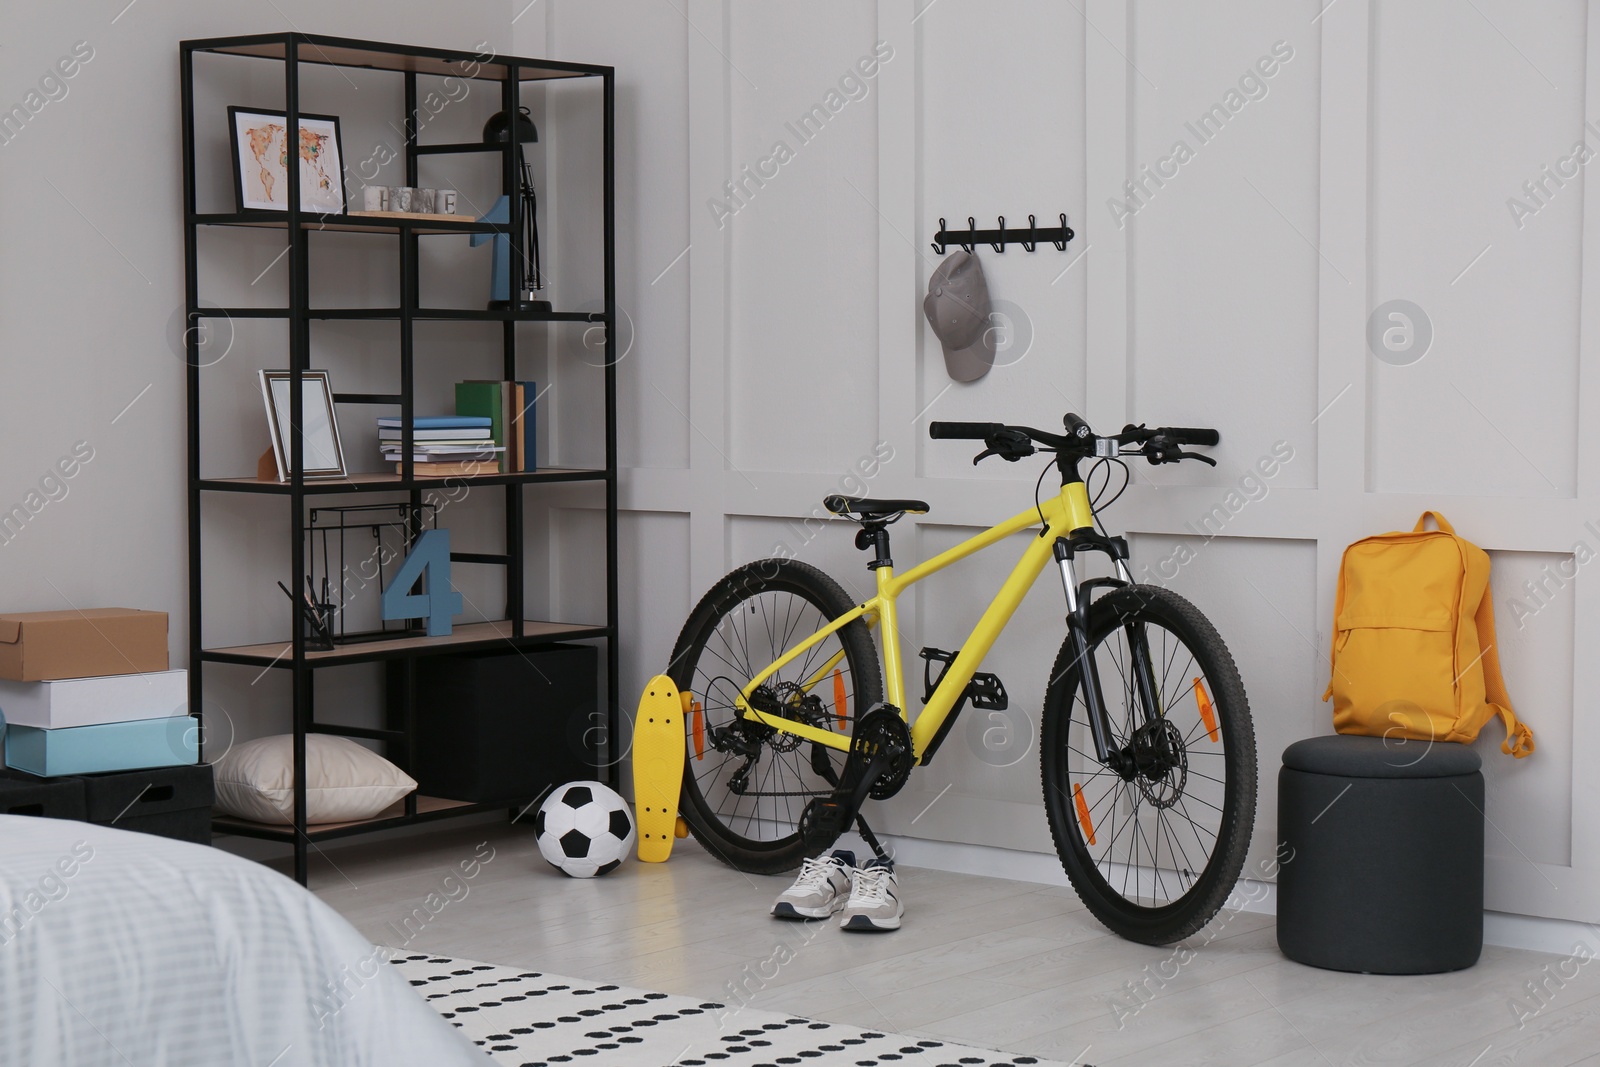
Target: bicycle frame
[{"x": 1068, "y": 512}]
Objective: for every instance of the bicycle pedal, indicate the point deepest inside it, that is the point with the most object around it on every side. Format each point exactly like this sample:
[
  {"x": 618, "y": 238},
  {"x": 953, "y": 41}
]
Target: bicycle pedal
[
  {"x": 987, "y": 692},
  {"x": 821, "y": 823}
]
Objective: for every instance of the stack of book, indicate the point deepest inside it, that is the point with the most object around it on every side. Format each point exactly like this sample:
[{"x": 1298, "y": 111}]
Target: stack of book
[
  {"x": 509, "y": 410},
  {"x": 443, "y": 445}
]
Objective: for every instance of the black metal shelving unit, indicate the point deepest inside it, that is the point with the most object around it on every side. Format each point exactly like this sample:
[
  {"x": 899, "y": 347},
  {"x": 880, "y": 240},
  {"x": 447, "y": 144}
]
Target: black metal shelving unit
[{"x": 292, "y": 50}]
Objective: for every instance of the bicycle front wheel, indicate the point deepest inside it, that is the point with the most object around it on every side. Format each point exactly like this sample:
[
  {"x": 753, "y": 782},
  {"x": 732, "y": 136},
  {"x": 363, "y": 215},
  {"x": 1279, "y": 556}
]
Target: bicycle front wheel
[
  {"x": 746, "y": 784},
  {"x": 1154, "y": 841}
]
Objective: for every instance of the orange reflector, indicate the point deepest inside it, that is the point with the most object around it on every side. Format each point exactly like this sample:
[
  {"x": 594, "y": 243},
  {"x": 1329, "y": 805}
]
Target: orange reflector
[
  {"x": 1208, "y": 714},
  {"x": 839, "y": 697},
  {"x": 1083, "y": 813},
  {"x": 698, "y": 726}
]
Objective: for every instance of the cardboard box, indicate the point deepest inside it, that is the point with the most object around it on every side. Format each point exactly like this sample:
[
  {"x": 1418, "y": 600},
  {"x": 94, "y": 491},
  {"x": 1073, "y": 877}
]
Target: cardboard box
[
  {"x": 37, "y": 646},
  {"x": 116, "y": 746},
  {"x": 94, "y": 701}
]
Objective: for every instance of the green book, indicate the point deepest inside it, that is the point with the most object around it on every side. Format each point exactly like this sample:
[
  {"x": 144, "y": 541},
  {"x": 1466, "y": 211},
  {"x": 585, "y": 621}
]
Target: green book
[{"x": 486, "y": 399}]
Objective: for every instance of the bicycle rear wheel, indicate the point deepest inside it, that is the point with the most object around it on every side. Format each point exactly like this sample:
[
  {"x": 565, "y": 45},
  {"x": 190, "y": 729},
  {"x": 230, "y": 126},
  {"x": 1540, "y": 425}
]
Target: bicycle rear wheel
[
  {"x": 1155, "y": 843},
  {"x": 745, "y": 784}
]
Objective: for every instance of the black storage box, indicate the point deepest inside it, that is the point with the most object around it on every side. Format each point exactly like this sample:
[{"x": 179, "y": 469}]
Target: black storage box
[
  {"x": 502, "y": 726},
  {"x": 170, "y": 802},
  {"x": 22, "y": 793}
]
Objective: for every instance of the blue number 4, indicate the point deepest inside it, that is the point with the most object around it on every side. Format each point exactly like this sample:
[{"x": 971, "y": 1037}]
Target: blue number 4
[{"x": 430, "y": 558}]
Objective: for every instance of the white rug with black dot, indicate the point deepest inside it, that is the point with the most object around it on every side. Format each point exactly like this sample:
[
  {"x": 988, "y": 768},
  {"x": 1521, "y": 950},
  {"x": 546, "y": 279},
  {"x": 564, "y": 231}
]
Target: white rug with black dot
[{"x": 529, "y": 1019}]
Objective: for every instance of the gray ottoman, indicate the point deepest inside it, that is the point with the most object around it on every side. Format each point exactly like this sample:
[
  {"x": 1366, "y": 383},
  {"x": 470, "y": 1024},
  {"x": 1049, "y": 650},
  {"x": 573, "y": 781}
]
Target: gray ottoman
[{"x": 1382, "y": 855}]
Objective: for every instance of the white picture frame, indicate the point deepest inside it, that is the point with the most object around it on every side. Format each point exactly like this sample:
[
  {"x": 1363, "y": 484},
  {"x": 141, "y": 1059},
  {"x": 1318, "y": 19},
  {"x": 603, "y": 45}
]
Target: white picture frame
[
  {"x": 259, "y": 175},
  {"x": 322, "y": 449}
]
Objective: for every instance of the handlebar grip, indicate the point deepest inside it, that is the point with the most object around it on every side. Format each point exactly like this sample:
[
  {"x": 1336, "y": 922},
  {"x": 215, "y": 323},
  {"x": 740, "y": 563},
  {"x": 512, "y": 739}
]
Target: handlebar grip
[
  {"x": 963, "y": 431},
  {"x": 1189, "y": 435}
]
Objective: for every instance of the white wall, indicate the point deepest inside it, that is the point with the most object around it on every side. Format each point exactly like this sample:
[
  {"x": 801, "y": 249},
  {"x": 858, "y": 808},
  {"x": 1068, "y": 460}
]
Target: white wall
[
  {"x": 1374, "y": 163},
  {"x": 91, "y": 303},
  {"x": 772, "y": 350}
]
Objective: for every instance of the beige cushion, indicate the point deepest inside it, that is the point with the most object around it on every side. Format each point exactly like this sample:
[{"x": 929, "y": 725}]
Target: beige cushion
[{"x": 255, "y": 780}]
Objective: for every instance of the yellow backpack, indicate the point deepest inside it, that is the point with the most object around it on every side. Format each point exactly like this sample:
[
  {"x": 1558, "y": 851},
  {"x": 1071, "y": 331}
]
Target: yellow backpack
[{"x": 1414, "y": 651}]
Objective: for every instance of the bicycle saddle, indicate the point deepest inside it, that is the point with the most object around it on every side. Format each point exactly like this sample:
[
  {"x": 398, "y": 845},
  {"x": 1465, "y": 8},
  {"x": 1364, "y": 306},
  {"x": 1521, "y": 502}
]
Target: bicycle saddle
[{"x": 866, "y": 508}]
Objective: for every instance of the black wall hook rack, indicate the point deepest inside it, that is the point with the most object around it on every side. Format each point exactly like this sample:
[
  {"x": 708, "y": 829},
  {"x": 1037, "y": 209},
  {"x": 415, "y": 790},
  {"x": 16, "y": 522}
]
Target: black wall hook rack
[{"x": 1028, "y": 237}]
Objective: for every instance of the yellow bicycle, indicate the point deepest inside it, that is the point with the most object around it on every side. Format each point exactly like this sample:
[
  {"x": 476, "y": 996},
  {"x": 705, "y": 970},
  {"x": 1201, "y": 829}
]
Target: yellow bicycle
[{"x": 1147, "y": 754}]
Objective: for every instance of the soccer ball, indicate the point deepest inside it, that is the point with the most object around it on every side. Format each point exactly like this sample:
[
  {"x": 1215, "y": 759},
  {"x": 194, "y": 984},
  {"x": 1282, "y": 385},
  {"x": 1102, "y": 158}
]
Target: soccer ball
[{"x": 584, "y": 829}]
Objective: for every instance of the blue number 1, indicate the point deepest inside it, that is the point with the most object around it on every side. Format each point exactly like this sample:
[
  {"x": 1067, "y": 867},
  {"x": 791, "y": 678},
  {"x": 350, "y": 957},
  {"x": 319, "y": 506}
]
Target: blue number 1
[{"x": 430, "y": 558}]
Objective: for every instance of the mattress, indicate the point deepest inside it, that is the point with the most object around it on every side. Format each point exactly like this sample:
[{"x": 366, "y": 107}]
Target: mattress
[{"x": 119, "y": 948}]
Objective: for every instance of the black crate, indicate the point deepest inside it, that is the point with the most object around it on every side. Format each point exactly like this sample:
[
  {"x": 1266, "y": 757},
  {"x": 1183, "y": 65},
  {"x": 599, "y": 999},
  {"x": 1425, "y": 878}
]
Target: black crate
[
  {"x": 170, "y": 802},
  {"x": 493, "y": 727},
  {"x": 22, "y": 793}
]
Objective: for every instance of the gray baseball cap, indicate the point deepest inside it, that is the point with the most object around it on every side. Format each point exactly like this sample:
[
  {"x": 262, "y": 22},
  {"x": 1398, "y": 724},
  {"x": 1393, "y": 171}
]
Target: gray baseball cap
[{"x": 958, "y": 309}]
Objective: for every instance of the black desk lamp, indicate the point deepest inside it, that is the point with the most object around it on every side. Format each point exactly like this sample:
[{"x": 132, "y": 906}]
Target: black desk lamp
[{"x": 498, "y": 130}]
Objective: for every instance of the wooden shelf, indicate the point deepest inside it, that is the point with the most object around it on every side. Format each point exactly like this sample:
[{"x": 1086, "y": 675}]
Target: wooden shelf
[
  {"x": 393, "y": 314},
  {"x": 465, "y": 637},
  {"x": 372, "y": 55},
  {"x": 279, "y": 220},
  {"x": 387, "y": 481},
  {"x": 395, "y": 815}
]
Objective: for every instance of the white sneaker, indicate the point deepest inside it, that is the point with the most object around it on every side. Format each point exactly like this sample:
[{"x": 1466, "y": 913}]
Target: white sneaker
[
  {"x": 819, "y": 890},
  {"x": 874, "y": 904}
]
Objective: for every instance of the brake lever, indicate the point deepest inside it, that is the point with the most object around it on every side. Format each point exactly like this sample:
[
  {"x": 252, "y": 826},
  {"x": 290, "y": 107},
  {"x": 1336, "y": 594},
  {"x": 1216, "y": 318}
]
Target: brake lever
[
  {"x": 1010, "y": 445},
  {"x": 1006, "y": 454},
  {"x": 1160, "y": 450}
]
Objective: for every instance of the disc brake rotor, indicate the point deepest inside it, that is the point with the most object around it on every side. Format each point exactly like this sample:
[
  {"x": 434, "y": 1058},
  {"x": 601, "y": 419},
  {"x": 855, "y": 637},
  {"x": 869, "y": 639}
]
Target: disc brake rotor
[{"x": 1163, "y": 762}]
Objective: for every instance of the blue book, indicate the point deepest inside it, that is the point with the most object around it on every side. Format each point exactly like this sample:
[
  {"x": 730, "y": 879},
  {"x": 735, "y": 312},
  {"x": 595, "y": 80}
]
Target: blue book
[
  {"x": 528, "y": 454},
  {"x": 438, "y": 422}
]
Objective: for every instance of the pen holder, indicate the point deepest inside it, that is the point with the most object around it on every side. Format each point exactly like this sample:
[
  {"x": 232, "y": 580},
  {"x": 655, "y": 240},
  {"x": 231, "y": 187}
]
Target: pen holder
[{"x": 317, "y": 620}]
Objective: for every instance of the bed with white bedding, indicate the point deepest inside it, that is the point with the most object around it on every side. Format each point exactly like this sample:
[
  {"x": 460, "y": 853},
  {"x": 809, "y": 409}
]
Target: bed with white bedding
[{"x": 124, "y": 949}]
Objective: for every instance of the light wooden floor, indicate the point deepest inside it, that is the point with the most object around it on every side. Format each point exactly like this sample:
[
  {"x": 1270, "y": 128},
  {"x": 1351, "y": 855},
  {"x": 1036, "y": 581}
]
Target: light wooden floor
[{"x": 1009, "y": 965}]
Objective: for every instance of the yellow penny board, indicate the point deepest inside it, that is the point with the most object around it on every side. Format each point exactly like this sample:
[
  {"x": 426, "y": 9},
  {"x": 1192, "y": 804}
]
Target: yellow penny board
[{"x": 658, "y": 749}]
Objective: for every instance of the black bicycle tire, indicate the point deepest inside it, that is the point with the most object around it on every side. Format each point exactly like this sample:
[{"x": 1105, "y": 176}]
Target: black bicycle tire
[
  {"x": 1189, "y": 913},
  {"x": 785, "y": 853}
]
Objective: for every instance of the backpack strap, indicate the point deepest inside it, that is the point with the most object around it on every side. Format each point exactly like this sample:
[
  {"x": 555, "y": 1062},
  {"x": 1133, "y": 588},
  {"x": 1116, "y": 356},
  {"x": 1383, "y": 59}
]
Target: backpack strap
[
  {"x": 1439, "y": 520},
  {"x": 1519, "y": 739}
]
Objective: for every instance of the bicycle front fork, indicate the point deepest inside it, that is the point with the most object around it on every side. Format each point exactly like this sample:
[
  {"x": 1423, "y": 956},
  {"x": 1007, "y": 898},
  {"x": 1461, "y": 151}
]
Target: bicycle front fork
[{"x": 1078, "y": 626}]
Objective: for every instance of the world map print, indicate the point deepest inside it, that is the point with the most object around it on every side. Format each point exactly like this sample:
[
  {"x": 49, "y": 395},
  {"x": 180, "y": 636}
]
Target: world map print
[{"x": 263, "y": 146}]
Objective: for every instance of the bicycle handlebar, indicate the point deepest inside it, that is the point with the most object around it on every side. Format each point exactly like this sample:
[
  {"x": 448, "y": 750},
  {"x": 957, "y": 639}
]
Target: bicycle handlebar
[
  {"x": 962, "y": 431},
  {"x": 1164, "y": 444},
  {"x": 1188, "y": 435}
]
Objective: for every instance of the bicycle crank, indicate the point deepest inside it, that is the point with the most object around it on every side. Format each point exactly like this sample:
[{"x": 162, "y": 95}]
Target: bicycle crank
[
  {"x": 880, "y": 757},
  {"x": 877, "y": 767}
]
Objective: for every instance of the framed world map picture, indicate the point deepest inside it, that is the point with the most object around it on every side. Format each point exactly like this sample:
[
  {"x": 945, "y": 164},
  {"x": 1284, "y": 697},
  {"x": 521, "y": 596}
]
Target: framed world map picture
[{"x": 261, "y": 153}]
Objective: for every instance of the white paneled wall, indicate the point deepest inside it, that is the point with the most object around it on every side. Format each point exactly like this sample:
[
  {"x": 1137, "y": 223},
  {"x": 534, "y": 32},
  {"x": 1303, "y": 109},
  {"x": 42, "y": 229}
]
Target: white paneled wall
[{"x": 1334, "y": 158}]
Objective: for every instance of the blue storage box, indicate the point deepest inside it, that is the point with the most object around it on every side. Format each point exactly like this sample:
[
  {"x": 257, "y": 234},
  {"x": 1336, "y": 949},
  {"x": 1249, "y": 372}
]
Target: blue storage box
[{"x": 114, "y": 746}]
